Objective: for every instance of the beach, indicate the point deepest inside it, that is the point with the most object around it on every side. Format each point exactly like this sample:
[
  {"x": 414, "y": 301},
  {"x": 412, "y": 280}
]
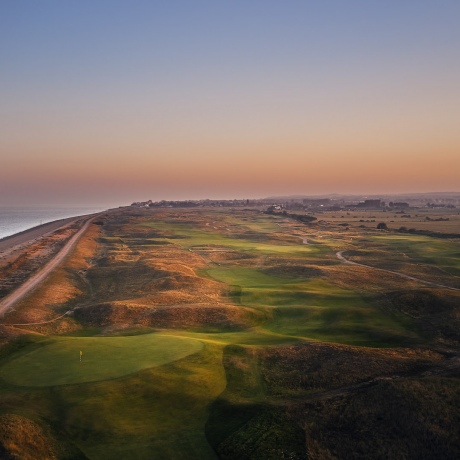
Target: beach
[
  {"x": 40, "y": 275},
  {"x": 27, "y": 257},
  {"x": 32, "y": 234}
]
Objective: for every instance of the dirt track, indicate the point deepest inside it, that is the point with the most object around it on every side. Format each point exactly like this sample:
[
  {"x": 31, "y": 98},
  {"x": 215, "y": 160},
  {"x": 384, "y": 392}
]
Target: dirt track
[
  {"x": 412, "y": 278},
  {"x": 32, "y": 282}
]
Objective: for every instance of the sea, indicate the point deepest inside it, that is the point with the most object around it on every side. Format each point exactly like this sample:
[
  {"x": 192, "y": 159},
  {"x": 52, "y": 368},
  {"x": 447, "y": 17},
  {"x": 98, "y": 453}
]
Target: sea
[{"x": 17, "y": 219}]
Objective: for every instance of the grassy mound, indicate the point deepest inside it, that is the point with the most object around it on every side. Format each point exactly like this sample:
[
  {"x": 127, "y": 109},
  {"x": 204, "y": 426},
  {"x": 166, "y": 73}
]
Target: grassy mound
[
  {"x": 410, "y": 419},
  {"x": 197, "y": 317},
  {"x": 21, "y": 438},
  {"x": 312, "y": 307},
  {"x": 56, "y": 362}
]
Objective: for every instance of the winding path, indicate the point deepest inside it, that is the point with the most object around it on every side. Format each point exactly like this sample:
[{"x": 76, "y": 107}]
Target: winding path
[
  {"x": 37, "y": 278},
  {"x": 412, "y": 278}
]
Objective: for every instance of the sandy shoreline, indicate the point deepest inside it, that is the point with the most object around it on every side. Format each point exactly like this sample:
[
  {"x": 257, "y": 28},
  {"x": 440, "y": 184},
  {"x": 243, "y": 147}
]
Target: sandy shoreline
[
  {"x": 31, "y": 234},
  {"x": 31, "y": 283}
]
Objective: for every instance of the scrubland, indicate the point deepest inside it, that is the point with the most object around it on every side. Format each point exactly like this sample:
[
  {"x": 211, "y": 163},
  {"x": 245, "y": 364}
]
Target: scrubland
[{"x": 234, "y": 334}]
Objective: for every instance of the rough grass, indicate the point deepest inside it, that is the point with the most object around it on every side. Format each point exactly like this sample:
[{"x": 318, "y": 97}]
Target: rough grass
[
  {"x": 62, "y": 286},
  {"x": 249, "y": 419},
  {"x": 192, "y": 237},
  {"x": 21, "y": 438},
  {"x": 158, "y": 411},
  {"x": 420, "y": 256},
  {"x": 204, "y": 317},
  {"x": 243, "y": 289},
  {"x": 314, "y": 308},
  {"x": 407, "y": 419},
  {"x": 423, "y": 250},
  {"x": 416, "y": 218}
]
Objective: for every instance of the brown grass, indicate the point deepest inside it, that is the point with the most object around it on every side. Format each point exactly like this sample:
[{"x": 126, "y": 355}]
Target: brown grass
[
  {"x": 407, "y": 418},
  {"x": 319, "y": 366},
  {"x": 155, "y": 286},
  {"x": 59, "y": 288},
  {"x": 23, "y": 439},
  {"x": 366, "y": 279},
  {"x": 187, "y": 316},
  {"x": 417, "y": 219},
  {"x": 17, "y": 264}
]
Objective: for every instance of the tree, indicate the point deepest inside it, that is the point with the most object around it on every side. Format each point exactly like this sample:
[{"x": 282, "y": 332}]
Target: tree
[{"x": 382, "y": 226}]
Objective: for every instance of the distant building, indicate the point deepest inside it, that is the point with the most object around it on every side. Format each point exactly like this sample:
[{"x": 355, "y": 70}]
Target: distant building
[
  {"x": 370, "y": 204},
  {"x": 398, "y": 204},
  {"x": 316, "y": 202}
]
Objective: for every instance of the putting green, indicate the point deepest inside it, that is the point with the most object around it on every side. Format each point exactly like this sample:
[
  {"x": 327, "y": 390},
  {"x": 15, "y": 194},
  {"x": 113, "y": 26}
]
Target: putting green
[{"x": 57, "y": 362}]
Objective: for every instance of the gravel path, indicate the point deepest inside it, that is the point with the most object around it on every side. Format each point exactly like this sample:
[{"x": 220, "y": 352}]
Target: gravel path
[
  {"x": 412, "y": 278},
  {"x": 38, "y": 277}
]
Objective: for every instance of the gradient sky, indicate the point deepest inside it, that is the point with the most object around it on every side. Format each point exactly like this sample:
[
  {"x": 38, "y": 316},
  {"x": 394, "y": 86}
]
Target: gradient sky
[{"x": 109, "y": 102}]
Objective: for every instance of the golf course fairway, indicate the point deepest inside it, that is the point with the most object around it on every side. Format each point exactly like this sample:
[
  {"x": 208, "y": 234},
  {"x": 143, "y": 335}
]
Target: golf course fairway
[{"x": 57, "y": 361}]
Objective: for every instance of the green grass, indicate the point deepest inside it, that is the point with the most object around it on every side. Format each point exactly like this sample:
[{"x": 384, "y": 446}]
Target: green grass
[
  {"x": 180, "y": 393},
  {"x": 422, "y": 249},
  {"x": 159, "y": 412},
  {"x": 245, "y": 276},
  {"x": 313, "y": 309},
  {"x": 356, "y": 324},
  {"x": 264, "y": 224},
  {"x": 429, "y": 259},
  {"x": 56, "y": 362},
  {"x": 253, "y": 337},
  {"x": 193, "y": 237}
]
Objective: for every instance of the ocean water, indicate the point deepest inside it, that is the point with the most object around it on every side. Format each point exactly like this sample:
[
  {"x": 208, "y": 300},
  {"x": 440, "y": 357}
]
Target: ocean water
[{"x": 17, "y": 219}]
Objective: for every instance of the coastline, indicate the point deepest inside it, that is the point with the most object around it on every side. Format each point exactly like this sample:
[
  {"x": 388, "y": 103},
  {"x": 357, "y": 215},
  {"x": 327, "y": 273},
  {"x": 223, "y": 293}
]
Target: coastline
[
  {"x": 17, "y": 219},
  {"x": 31, "y": 283},
  {"x": 31, "y": 234}
]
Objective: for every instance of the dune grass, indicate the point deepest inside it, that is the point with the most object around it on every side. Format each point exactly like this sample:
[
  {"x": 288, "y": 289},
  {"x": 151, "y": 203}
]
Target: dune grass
[
  {"x": 424, "y": 250},
  {"x": 170, "y": 394},
  {"x": 189, "y": 237}
]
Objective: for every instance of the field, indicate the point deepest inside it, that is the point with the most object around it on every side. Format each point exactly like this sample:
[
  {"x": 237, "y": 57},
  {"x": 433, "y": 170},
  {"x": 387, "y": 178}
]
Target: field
[
  {"x": 443, "y": 220},
  {"x": 235, "y": 334}
]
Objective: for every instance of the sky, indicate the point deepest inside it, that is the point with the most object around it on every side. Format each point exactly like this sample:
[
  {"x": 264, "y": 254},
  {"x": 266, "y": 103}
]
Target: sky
[{"x": 108, "y": 102}]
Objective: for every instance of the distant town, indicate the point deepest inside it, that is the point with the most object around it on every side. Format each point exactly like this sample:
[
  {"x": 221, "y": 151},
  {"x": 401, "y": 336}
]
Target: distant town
[{"x": 396, "y": 203}]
